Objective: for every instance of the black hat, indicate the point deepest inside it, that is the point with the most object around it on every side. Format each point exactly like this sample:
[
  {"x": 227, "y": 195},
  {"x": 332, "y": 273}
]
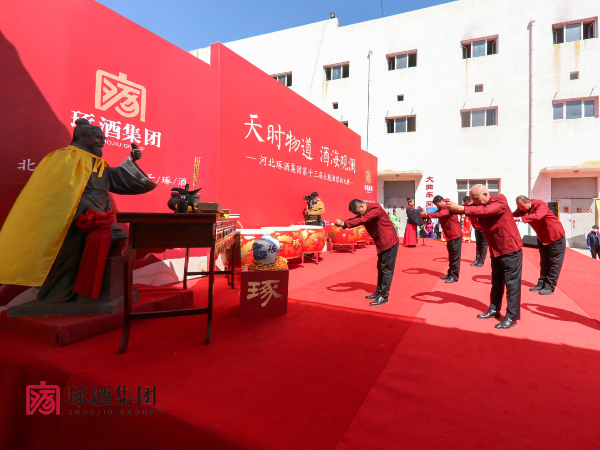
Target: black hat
[{"x": 314, "y": 194}]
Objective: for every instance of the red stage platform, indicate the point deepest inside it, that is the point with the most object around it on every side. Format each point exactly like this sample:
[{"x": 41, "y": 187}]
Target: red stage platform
[
  {"x": 64, "y": 330},
  {"x": 419, "y": 373}
]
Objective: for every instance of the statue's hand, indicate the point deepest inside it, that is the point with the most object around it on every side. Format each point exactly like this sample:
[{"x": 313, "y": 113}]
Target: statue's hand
[{"x": 136, "y": 154}]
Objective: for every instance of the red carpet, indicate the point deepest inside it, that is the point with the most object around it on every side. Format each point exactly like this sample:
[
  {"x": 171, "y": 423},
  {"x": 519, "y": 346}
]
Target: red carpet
[{"x": 420, "y": 372}]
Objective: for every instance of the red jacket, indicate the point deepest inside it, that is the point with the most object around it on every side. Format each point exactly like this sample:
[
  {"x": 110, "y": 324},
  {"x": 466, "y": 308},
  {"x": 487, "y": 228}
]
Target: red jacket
[
  {"x": 543, "y": 221},
  {"x": 449, "y": 223},
  {"x": 498, "y": 225},
  {"x": 474, "y": 222},
  {"x": 379, "y": 226}
]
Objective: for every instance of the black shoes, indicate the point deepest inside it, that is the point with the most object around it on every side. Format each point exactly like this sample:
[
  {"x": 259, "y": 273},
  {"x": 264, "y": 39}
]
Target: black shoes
[
  {"x": 379, "y": 301},
  {"x": 479, "y": 264},
  {"x": 474, "y": 263},
  {"x": 491, "y": 312},
  {"x": 451, "y": 280},
  {"x": 546, "y": 291},
  {"x": 445, "y": 277},
  {"x": 507, "y": 322},
  {"x": 372, "y": 296},
  {"x": 537, "y": 287}
]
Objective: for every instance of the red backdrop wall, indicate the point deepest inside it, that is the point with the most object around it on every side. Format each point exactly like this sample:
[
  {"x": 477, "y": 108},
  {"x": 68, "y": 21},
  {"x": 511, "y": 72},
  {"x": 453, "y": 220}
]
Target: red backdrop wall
[{"x": 50, "y": 55}]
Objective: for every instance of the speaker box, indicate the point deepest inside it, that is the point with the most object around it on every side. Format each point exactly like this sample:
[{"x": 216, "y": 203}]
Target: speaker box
[
  {"x": 530, "y": 241},
  {"x": 553, "y": 207}
]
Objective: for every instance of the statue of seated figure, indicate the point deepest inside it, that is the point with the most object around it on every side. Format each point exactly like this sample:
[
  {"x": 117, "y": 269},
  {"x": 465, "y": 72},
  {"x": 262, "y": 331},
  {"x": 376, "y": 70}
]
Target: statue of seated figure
[{"x": 42, "y": 241}]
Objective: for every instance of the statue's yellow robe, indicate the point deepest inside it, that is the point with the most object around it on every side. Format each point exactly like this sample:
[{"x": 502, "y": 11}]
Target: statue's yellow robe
[{"x": 40, "y": 218}]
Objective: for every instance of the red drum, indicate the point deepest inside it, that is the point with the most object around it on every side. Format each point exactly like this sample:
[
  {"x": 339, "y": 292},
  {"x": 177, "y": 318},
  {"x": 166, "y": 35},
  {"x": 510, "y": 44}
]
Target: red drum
[
  {"x": 244, "y": 239},
  {"x": 340, "y": 237},
  {"x": 313, "y": 238},
  {"x": 362, "y": 236},
  {"x": 290, "y": 238}
]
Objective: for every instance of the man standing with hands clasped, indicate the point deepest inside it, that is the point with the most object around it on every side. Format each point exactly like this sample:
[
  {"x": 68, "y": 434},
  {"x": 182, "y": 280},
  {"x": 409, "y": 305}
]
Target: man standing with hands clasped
[
  {"x": 381, "y": 229},
  {"x": 550, "y": 237},
  {"x": 453, "y": 232},
  {"x": 504, "y": 240},
  {"x": 593, "y": 242}
]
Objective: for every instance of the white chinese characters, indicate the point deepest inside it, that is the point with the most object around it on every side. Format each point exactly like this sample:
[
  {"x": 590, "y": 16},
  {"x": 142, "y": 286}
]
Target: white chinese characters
[{"x": 115, "y": 130}]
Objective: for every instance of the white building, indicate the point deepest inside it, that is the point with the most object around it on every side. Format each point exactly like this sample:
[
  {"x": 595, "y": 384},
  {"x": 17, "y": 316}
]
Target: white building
[{"x": 499, "y": 91}]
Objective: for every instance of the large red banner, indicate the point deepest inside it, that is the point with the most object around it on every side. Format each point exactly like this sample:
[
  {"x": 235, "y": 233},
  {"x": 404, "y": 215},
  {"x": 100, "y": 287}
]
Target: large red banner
[
  {"x": 275, "y": 147},
  {"x": 262, "y": 147}
]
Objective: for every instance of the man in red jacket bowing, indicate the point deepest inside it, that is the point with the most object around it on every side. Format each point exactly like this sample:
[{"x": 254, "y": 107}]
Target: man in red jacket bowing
[
  {"x": 505, "y": 243},
  {"x": 453, "y": 233},
  {"x": 382, "y": 230},
  {"x": 551, "y": 240},
  {"x": 481, "y": 244}
]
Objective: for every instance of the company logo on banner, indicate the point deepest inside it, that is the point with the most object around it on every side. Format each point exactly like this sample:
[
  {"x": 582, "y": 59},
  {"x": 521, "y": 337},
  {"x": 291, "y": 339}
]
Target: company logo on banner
[
  {"x": 43, "y": 398},
  {"x": 127, "y": 97},
  {"x": 368, "y": 186}
]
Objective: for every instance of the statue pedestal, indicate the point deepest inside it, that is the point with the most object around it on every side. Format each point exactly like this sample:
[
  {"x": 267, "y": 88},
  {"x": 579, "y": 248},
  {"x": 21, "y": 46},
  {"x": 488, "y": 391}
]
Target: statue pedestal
[{"x": 110, "y": 300}]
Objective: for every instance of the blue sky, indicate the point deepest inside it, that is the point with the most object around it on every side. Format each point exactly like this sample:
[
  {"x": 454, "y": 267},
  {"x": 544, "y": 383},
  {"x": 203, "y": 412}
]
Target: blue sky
[{"x": 193, "y": 24}]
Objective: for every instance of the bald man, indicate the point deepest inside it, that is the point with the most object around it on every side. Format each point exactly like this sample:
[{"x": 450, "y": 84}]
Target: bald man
[
  {"x": 550, "y": 237},
  {"x": 505, "y": 244}
]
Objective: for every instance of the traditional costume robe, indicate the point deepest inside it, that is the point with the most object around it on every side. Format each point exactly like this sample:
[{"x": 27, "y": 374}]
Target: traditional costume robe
[
  {"x": 40, "y": 244},
  {"x": 466, "y": 228},
  {"x": 413, "y": 220}
]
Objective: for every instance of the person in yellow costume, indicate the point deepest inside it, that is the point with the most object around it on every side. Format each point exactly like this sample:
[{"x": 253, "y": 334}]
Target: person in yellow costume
[{"x": 40, "y": 243}]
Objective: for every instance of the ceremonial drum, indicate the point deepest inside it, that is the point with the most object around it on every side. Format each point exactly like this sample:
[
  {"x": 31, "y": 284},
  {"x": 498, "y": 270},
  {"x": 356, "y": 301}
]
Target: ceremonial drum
[
  {"x": 313, "y": 238},
  {"x": 291, "y": 240},
  {"x": 342, "y": 237},
  {"x": 244, "y": 239},
  {"x": 362, "y": 236}
]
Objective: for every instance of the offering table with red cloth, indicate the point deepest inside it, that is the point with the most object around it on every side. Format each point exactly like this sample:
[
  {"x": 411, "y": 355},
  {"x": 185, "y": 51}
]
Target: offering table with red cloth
[{"x": 168, "y": 231}]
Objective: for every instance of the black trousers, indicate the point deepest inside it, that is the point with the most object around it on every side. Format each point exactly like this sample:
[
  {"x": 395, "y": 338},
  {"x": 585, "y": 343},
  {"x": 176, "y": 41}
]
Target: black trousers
[
  {"x": 481, "y": 249},
  {"x": 506, "y": 270},
  {"x": 454, "y": 251},
  {"x": 551, "y": 261},
  {"x": 595, "y": 252},
  {"x": 386, "y": 263}
]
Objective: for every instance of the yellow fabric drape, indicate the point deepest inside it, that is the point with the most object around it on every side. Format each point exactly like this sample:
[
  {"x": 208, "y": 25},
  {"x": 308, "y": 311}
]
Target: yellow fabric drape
[{"x": 40, "y": 218}]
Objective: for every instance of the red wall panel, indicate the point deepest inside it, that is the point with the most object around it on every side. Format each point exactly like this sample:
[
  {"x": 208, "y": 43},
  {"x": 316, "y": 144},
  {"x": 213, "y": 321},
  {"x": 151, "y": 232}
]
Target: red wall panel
[
  {"x": 265, "y": 133},
  {"x": 50, "y": 55}
]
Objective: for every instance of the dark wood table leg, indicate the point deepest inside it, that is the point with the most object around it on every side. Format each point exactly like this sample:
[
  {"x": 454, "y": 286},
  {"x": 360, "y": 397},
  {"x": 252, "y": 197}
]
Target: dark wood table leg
[
  {"x": 185, "y": 267},
  {"x": 211, "y": 283},
  {"x": 127, "y": 294},
  {"x": 233, "y": 267}
]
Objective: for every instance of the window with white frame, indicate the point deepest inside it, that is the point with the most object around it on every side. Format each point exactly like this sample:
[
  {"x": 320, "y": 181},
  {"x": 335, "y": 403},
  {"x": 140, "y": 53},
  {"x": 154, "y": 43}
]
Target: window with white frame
[
  {"x": 284, "y": 78},
  {"x": 337, "y": 71},
  {"x": 404, "y": 60},
  {"x": 575, "y": 31},
  {"x": 405, "y": 124},
  {"x": 464, "y": 187},
  {"x": 480, "y": 47},
  {"x": 483, "y": 117},
  {"x": 575, "y": 108}
]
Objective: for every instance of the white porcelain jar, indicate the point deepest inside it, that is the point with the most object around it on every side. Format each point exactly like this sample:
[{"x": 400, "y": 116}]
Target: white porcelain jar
[{"x": 266, "y": 249}]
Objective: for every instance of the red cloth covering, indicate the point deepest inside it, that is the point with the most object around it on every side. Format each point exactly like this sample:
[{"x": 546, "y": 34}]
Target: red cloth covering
[
  {"x": 91, "y": 269},
  {"x": 410, "y": 234}
]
